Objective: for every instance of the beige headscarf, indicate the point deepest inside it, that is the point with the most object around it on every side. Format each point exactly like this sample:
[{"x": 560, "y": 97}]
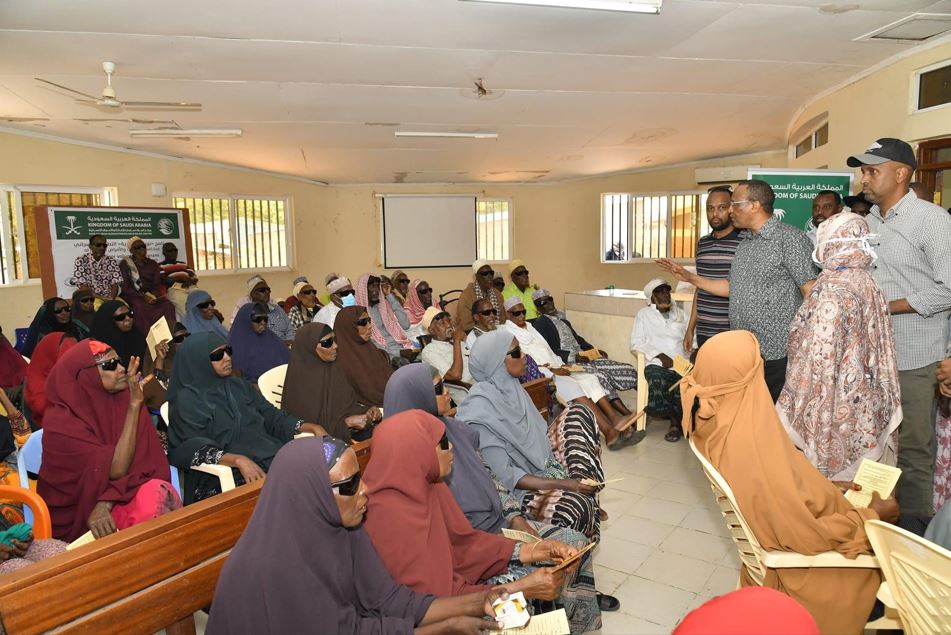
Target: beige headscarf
[{"x": 789, "y": 505}]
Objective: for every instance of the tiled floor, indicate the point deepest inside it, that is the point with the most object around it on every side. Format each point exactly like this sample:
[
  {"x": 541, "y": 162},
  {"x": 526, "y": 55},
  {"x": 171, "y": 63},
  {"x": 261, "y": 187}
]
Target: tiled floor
[{"x": 665, "y": 548}]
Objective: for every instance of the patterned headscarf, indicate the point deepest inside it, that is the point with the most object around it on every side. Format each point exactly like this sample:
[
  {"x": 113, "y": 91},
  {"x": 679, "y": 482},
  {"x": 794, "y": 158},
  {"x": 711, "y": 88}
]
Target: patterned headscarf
[
  {"x": 390, "y": 323},
  {"x": 414, "y": 306}
]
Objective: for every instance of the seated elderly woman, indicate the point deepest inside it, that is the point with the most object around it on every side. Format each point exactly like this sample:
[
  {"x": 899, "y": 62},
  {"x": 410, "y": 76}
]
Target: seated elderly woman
[
  {"x": 256, "y": 349},
  {"x": 389, "y": 321},
  {"x": 487, "y": 503},
  {"x": 366, "y": 367},
  {"x": 54, "y": 316},
  {"x": 530, "y": 457},
  {"x": 304, "y": 564},
  {"x": 408, "y": 500},
  {"x": 480, "y": 288},
  {"x": 579, "y": 387},
  {"x": 103, "y": 466},
  {"x": 49, "y": 351},
  {"x": 84, "y": 306},
  {"x": 316, "y": 389},
  {"x": 787, "y": 503},
  {"x": 200, "y": 314},
  {"x": 142, "y": 287},
  {"x": 220, "y": 419},
  {"x": 259, "y": 291},
  {"x": 306, "y": 307}
]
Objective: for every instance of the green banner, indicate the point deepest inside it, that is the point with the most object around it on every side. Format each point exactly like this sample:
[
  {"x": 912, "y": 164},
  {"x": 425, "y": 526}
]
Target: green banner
[
  {"x": 78, "y": 224},
  {"x": 795, "y": 189}
]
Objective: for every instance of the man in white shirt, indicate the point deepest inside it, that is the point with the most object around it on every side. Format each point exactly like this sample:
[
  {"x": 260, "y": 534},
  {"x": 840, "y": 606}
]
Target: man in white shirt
[
  {"x": 341, "y": 295},
  {"x": 484, "y": 317},
  {"x": 447, "y": 352},
  {"x": 658, "y": 332}
]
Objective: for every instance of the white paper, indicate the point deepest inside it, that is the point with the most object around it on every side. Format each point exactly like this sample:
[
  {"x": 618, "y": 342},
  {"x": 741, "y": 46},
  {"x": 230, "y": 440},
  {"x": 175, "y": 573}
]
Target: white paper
[
  {"x": 520, "y": 536},
  {"x": 873, "y": 477},
  {"x": 157, "y": 334},
  {"x": 551, "y": 623}
]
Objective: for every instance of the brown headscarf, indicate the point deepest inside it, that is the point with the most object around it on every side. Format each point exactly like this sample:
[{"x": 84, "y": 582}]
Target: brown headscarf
[
  {"x": 423, "y": 537},
  {"x": 366, "y": 367},
  {"x": 788, "y": 504},
  {"x": 315, "y": 390}
]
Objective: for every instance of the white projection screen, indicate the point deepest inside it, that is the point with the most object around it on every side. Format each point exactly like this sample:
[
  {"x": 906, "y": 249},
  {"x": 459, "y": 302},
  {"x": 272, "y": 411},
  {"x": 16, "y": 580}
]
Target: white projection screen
[{"x": 428, "y": 231}]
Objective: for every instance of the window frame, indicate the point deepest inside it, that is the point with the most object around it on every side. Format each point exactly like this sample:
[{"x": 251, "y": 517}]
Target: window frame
[
  {"x": 914, "y": 92},
  {"x": 702, "y": 194},
  {"x": 511, "y": 215},
  {"x": 108, "y": 197},
  {"x": 233, "y": 198}
]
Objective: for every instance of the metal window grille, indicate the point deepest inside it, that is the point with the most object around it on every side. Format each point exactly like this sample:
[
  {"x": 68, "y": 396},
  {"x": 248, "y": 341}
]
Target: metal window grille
[
  {"x": 656, "y": 226},
  {"x": 494, "y": 230}
]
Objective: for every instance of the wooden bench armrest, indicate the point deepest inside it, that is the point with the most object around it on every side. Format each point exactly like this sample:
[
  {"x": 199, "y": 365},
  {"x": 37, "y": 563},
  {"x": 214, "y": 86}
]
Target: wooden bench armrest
[
  {"x": 223, "y": 472},
  {"x": 828, "y": 559}
]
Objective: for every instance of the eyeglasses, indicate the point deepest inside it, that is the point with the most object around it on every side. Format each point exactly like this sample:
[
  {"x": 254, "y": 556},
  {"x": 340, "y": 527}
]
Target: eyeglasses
[
  {"x": 424, "y": 291},
  {"x": 543, "y": 301},
  {"x": 262, "y": 290},
  {"x": 327, "y": 343},
  {"x": 363, "y": 321},
  {"x": 736, "y": 203},
  {"x": 219, "y": 353},
  {"x": 488, "y": 312},
  {"x": 123, "y": 316},
  {"x": 257, "y": 319},
  {"x": 402, "y": 281},
  {"x": 86, "y": 300},
  {"x": 344, "y": 294},
  {"x": 444, "y": 442},
  {"x": 487, "y": 274},
  {"x": 311, "y": 292},
  {"x": 178, "y": 339},
  {"x": 520, "y": 272},
  {"x": 204, "y": 305},
  {"x": 62, "y": 309},
  {"x": 439, "y": 388},
  {"x": 347, "y": 487},
  {"x": 515, "y": 353},
  {"x": 517, "y": 313}
]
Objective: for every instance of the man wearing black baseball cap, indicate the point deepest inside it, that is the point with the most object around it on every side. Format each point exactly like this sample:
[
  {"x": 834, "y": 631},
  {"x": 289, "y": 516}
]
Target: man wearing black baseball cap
[{"x": 914, "y": 271}]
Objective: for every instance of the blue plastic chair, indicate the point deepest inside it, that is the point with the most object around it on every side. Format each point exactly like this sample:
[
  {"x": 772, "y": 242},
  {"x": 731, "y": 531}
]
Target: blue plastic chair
[
  {"x": 21, "y": 338},
  {"x": 28, "y": 460}
]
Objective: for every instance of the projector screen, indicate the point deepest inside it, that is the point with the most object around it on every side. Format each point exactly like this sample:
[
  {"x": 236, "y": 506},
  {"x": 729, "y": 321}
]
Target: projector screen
[{"x": 428, "y": 231}]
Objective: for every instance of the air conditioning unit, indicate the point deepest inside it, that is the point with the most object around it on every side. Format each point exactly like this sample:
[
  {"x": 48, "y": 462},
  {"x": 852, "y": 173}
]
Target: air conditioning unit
[{"x": 730, "y": 174}]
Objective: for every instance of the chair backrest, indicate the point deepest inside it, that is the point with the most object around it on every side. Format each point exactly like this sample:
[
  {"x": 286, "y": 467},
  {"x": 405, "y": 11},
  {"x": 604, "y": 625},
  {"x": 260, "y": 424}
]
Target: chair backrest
[
  {"x": 271, "y": 384},
  {"x": 447, "y": 298},
  {"x": 163, "y": 411},
  {"x": 21, "y": 337},
  {"x": 39, "y": 516},
  {"x": 751, "y": 552},
  {"x": 919, "y": 577},
  {"x": 28, "y": 460}
]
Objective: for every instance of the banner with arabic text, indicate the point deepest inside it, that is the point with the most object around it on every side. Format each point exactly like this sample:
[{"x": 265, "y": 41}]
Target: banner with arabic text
[{"x": 795, "y": 189}]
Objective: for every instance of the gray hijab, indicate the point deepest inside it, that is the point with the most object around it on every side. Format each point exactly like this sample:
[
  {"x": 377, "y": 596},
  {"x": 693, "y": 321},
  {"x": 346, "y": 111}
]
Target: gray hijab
[
  {"x": 411, "y": 387},
  {"x": 498, "y": 406}
]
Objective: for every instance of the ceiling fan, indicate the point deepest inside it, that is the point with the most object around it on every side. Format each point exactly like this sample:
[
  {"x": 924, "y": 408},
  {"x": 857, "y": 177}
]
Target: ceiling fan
[{"x": 108, "y": 97}]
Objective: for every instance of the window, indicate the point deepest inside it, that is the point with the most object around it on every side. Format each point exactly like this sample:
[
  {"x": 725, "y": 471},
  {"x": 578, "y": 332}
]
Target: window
[
  {"x": 933, "y": 86},
  {"x": 657, "y": 226},
  {"x": 494, "y": 229},
  {"x": 817, "y": 138},
  {"x": 231, "y": 233},
  {"x": 19, "y": 255}
]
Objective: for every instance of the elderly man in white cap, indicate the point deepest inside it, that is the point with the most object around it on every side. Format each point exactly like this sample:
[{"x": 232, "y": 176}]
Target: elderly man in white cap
[
  {"x": 521, "y": 288},
  {"x": 341, "y": 296},
  {"x": 278, "y": 322},
  {"x": 447, "y": 351},
  {"x": 480, "y": 288},
  {"x": 658, "y": 332}
]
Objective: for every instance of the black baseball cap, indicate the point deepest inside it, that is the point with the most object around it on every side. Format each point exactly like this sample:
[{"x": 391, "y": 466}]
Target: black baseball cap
[{"x": 882, "y": 150}]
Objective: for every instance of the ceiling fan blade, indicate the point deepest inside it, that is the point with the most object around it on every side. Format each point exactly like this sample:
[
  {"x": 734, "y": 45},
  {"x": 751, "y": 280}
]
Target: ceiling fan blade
[
  {"x": 161, "y": 104},
  {"x": 86, "y": 95}
]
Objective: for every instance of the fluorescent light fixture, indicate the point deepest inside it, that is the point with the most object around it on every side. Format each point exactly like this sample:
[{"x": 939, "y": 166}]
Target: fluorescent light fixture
[
  {"x": 625, "y": 6},
  {"x": 446, "y": 135},
  {"x": 185, "y": 132}
]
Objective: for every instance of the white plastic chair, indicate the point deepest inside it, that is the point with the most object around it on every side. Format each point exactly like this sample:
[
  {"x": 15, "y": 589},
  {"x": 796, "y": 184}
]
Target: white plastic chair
[
  {"x": 918, "y": 575},
  {"x": 29, "y": 458},
  {"x": 757, "y": 559},
  {"x": 271, "y": 384},
  {"x": 642, "y": 387},
  {"x": 222, "y": 472}
]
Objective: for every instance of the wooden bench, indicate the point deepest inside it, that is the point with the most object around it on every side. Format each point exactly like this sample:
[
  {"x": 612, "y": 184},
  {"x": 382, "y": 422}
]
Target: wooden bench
[
  {"x": 540, "y": 391},
  {"x": 139, "y": 580}
]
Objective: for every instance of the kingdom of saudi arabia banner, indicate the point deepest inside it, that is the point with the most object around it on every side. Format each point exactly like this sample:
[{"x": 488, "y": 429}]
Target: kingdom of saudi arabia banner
[
  {"x": 64, "y": 232},
  {"x": 795, "y": 189}
]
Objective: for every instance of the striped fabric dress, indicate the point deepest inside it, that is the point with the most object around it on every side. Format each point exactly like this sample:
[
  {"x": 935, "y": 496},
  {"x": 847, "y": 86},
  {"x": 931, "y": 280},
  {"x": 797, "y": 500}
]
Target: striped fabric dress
[{"x": 714, "y": 257}]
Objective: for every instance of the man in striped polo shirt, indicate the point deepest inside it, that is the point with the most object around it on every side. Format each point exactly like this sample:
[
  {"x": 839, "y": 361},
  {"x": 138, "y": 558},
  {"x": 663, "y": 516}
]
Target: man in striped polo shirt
[{"x": 711, "y": 314}]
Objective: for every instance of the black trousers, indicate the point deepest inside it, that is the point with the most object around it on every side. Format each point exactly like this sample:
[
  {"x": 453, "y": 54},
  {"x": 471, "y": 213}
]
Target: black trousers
[{"x": 774, "y": 371}]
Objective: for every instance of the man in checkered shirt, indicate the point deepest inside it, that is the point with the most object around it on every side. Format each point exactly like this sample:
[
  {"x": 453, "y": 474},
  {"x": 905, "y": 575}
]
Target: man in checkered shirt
[{"x": 914, "y": 271}]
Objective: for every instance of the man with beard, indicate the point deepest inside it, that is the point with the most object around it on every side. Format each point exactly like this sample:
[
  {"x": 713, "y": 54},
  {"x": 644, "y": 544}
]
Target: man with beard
[
  {"x": 710, "y": 314},
  {"x": 484, "y": 318}
]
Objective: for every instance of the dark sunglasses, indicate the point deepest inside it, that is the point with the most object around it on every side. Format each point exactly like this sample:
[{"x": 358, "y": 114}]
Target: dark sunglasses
[
  {"x": 327, "y": 343},
  {"x": 204, "y": 305},
  {"x": 402, "y": 281},
  {"x": 517, "y": 313},
  {"x": 219, "y": 353},
  {"x": 257, "y": 319},
  {"x": 137, "y": 247},
  {"x": 520, "y": 272},
  {"x": 311, "y": 292},
  {"x": 344, "y": 294},
  {"x": 178, "y": 339},
  {"x": 99, "y": 245},
  {"x": 487, "y": 274},
  {"x": 347, "y": 487},
  {"x": 515, "y": 353},
  {"x": 488, "y": 312},
  {"x": 62, "y": 309},
  {"x": 442, "y": 315},
  {"x": 363, "y": 321},
  {"x": 439, "y": 388},
  {"x": 122, "y": 316},
  {"x": 86, "y": 300},
  {"x": 444, "y": 442},
  {"x": 107, "y": 364},
  {"x": 262, "y": 290},
  {"x": 424, "y": 291},
  {"x": 543, "y": 301}
]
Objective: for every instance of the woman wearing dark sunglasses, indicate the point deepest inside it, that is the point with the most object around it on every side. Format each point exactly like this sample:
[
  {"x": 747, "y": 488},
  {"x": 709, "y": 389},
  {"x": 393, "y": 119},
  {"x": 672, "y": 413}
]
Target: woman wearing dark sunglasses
[
  {"x": 103, "y": 465},
  {"x": 200, "y": 316},
  {"x": 217, "y": 418},
  {"x": 256, "y": 348},
  {"x": 84, "y": 306},
  {"x": 142, "y": 286},
  {"x": 316, "y": 389},
  {"x": 54, "y": 316},
  {"x": 366, "y": 367},
  {"x": 322, "y": 574}
]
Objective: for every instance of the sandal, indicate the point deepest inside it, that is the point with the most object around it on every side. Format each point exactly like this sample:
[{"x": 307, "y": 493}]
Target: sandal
[
  {"x": 674, "y": 434},
  {"x": 626, "y": 438}
]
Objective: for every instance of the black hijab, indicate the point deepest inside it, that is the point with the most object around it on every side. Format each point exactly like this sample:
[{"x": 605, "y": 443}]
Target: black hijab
[
  {"x": 45, "y": 322},
  {"x": 105, "y": 329},
  {"x": 315, "y": 390},
  {"x": 411, "y": 387},
  {"x": 296, "y": 569}
]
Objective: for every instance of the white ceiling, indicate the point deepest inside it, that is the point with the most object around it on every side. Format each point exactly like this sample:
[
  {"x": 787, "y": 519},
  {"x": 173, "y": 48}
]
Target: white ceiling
[{"x": 586, "y": 92}]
